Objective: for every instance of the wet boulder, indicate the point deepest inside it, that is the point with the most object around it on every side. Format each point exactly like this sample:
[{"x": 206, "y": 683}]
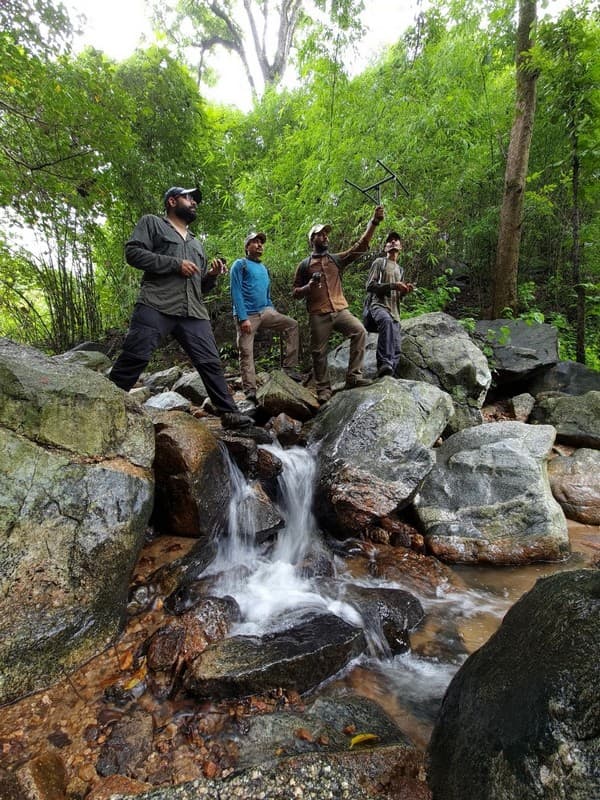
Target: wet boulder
[
  {"x": 416, "y": 573},
  {"x": 326, "y": 725},
  {"x": 388, "y": 614},
  {"x": 575, "y": 482},
  {"x": 255, "y": 518},
  {"x": 254, "y": 461},
  {"x": 75, "y": 453},
  {"x": 281, "y": 395},
  {"x": 488, "y": 498},
  {"x": 192, "y": 477},
  {"x": 375, "y": 450},
  {"x": 437, "y": 349},
  {"x": 299, "y": 658},
  {"x": 576, "y": 418},
  {"x": 521, "y": 718},
  {"x": 285, "y": 429}
]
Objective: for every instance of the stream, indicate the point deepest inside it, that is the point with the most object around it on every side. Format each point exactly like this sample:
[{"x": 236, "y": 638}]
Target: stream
[
  {"x": 272, "y": 595},
  {"x": 75, "y": 716}
]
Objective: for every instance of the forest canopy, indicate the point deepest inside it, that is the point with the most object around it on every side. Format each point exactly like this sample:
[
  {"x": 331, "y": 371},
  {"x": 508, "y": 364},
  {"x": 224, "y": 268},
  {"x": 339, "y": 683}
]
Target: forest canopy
[{"x": 88, "y": 144}]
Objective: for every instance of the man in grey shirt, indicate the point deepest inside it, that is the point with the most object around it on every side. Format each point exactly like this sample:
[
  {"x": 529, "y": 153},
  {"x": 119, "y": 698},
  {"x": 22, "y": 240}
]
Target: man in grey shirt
[
  {"x": 170, "y": 300},
  {"x": 385, "y": 289}
]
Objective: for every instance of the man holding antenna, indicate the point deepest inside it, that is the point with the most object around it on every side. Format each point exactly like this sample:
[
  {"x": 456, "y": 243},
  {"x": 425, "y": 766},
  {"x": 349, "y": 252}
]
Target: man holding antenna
[{"x": 318, "y": 280}]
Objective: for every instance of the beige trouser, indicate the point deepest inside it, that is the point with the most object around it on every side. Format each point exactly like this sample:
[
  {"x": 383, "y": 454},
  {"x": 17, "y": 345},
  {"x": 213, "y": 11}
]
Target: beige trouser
[
  {"x": 321, "y": 327},
  {"x": 273, "y": 320}
]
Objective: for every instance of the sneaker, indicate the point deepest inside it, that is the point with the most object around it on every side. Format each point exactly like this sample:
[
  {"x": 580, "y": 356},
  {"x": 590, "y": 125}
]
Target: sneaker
[
  {"x": 234, "y": 420},
  {"x": 323, "y": 396},
  {"x": 355, "y": 381},
  {"x": 295, "y": 376},
  {"x": 385, "y": 370}
]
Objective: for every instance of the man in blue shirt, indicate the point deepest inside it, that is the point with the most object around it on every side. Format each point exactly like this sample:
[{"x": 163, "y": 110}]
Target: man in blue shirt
[{"x": 254, "y": 310}]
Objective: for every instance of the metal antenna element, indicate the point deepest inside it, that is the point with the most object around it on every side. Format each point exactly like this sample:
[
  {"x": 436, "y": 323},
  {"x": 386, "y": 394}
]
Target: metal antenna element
[{"x": 373, "y": 192}]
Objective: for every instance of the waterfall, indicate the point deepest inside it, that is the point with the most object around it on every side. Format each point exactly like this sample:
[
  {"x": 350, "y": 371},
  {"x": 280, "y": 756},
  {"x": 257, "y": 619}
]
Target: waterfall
[{"x": 268, "y": 586}]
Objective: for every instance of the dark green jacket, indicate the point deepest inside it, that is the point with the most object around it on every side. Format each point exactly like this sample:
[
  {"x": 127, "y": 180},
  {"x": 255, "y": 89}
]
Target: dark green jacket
[{"x": 158, "y": 249}]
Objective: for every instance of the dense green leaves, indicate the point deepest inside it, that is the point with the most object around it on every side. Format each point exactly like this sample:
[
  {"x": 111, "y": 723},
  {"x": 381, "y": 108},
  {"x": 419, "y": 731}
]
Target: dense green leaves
[{"x": 87, "y": 145}]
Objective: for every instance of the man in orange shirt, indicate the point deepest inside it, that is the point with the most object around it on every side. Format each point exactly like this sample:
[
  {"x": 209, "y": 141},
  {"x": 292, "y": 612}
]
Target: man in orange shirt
[{"x": 318, "y": 281}]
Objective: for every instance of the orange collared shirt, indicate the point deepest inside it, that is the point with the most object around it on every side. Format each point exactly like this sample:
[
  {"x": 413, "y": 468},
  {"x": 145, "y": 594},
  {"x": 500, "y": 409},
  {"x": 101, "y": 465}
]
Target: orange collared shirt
[{"x": 329, "y": 296}]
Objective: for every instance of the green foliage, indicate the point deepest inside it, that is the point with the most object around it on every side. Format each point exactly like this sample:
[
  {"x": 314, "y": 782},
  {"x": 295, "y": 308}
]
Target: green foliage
[
  {"x": 88, "y": 145},
  {"x": 438, "y": 297}
]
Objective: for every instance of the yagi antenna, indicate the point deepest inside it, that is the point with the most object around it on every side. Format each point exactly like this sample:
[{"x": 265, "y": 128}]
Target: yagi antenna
[{"x": 373, "y": 192}]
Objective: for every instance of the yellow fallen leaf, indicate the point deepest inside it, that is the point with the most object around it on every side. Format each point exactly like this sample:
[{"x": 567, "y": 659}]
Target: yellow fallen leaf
[
  {"x": 136, "y": 678},
  {"x": 361, "y": 738}
]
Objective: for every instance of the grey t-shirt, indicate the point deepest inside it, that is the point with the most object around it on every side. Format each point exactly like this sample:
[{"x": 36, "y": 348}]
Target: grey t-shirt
[{"x": 383, "y": 272}]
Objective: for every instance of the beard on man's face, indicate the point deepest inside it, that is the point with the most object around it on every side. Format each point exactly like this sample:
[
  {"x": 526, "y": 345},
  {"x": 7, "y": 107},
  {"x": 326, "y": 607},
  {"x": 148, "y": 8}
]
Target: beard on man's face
[{"x": 186, "y": 213}]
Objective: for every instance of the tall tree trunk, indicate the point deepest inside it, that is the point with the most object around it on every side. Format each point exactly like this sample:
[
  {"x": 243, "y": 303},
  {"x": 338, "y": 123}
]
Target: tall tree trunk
[
  {"x": 504, "y": 279},
  {"x": 576, "y": 258}
]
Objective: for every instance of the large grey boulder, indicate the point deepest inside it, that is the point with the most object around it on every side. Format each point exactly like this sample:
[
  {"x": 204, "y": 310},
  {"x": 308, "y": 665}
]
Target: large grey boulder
[
  {"x": 575, "y": 482},
  {"x": 76, "y": 496},
  {"x": 69, "y": 407},
  {"x": 521, "y": 718},
  {"x": 437, "y": 349},
  {"x": 576, "y": 418},
  {"x": 518, "y": 347},
  {"x": 375, "y": 449},
  {"x": 488, "y": 498}
]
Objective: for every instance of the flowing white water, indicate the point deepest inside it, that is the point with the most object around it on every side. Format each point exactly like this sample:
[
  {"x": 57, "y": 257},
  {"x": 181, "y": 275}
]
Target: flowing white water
[{"x": 267, "y": 584}]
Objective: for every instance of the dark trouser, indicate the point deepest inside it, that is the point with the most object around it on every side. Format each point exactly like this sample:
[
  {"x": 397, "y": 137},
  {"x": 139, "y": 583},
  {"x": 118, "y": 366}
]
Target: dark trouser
[
  {"x": 147, "y": 329},
  {"x": 389, "y": 341}
]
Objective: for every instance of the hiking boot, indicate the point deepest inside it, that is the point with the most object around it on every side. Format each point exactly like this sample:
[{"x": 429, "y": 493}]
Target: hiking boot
[
  {"x": 385, "y": 370},
  {"x": 234, "y": 420},
  {"x": 323, "y": 396},
  {"x": 295, "y": 376},
  {"x": 356, "y": 381}
]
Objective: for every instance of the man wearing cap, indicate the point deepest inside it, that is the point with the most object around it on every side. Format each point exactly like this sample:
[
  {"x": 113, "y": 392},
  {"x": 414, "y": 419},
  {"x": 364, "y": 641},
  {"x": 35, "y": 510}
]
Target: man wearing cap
[
  {"x": 254, "y": 310},
  {"x": 170, "y": 301},
  {"x": 318, "y": 280},
  {"x": 385, "y": 290}
]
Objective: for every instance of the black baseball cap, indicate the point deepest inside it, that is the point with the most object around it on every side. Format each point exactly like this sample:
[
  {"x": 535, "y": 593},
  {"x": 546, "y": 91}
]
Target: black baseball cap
[
  {"x": 178, "y": 191},
  {"x": 392, "y": 235}
]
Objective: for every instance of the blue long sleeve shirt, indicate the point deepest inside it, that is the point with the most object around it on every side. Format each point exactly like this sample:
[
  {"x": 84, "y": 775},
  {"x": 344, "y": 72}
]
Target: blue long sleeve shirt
[{"x": 250, "y": 288}]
